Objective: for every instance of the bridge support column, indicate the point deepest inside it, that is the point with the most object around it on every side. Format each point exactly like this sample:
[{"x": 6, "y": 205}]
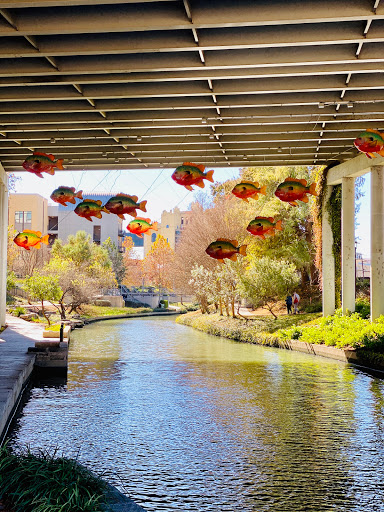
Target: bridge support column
[
  {"x": 377, "y": 241},
  {"x": 3, "y": 241},
  {"x": 348, "y": 279},
  {"x": 328, "y": 262}
]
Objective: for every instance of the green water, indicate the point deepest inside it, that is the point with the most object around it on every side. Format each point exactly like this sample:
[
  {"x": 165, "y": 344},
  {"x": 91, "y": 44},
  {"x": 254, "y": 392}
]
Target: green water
[{"x": 180, "y": 420}]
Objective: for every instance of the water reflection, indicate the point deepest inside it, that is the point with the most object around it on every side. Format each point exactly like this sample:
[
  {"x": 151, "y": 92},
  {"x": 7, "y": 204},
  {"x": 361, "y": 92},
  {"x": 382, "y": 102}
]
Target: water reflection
[{"x": 184, "y": 421}]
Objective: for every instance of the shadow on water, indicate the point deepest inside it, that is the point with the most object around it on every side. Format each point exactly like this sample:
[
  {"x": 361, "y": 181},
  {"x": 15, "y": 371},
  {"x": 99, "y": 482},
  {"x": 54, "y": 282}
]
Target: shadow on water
[{"x": 184, "y": 421}]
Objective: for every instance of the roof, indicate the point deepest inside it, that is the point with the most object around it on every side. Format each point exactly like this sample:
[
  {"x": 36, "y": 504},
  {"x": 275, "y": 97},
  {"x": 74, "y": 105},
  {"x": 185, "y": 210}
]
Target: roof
[{"x": 123, "y": 84}]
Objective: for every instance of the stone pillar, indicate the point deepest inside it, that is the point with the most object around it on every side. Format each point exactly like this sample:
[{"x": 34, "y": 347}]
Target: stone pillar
[
  {"x": 377, "y": 241},
  {"x": 328, "y": 262},
  {"x": 348, "y": 279},
  {"x": 3, "y": 241}
]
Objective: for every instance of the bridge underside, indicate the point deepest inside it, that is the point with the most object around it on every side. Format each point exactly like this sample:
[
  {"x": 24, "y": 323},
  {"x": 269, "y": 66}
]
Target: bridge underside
[{"x": 119, "y": 84}]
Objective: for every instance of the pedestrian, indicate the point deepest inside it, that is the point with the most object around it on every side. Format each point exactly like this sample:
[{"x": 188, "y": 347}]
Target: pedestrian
[
  {"x": 296, "y": 300},
  {"x": 288, "y": 302}
]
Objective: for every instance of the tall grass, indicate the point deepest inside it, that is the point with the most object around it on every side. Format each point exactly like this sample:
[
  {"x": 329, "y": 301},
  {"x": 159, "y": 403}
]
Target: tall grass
[{"x": 43, "y": 482}]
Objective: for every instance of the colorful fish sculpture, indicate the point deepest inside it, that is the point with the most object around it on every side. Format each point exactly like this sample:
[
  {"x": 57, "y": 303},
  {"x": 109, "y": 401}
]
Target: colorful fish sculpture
[
  {"x": 64, "y": 195},
  {"x": 90, "y": 208},
  {"x": 369, "y": 142},
  {"x": 293, "y": 189},
  {"x": 191, "y": 174},
  {"x": 248, "y": 189},
  {"x": 123, "y": 203},
  {"x": 261, "y": 226},
  {"x": 29, "y": 238},
  {"x": 41, "y": 162},
  {"x": 140, "y": 225},
  {"x": 224, "y": 248}
]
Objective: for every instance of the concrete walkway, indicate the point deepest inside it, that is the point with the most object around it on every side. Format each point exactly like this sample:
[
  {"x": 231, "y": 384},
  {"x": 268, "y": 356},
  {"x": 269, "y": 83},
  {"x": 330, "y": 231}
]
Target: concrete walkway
[{"x": 15, "y": 363}]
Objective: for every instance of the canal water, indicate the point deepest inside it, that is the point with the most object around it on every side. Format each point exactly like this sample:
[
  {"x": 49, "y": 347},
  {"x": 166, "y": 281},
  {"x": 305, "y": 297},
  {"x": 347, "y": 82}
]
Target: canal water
[{"x": 181, "y": 420}]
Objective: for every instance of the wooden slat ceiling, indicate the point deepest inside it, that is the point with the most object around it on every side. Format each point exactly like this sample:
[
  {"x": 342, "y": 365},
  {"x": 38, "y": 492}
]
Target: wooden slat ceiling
[{"x": 147, "y": 84}]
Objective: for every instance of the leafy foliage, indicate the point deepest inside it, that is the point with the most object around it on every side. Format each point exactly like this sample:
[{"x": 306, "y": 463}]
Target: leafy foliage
[
  {"x": 158, "y": 264},
  {"x": 116, "y": 258},
  {"x": 43, "y": 483},
  {"x": 43, "y": 288}
]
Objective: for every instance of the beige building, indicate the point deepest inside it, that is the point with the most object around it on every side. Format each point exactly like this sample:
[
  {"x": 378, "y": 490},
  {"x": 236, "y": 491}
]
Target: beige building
[
  {"x": 170, "y": 228},
  {"x": 28, "y": 211}
]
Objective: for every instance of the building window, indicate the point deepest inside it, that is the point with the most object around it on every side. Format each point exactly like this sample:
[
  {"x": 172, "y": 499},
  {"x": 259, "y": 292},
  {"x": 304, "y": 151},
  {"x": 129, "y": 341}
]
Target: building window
[
  {"x": 23, "y": 220},
  {"x": 153, "y": 237},
  {"x": 97, "y": 234},
  {"x": 52, "y": 238},
  {"x": 167, "y": 225},
  {"x": 53, "y": 223}
]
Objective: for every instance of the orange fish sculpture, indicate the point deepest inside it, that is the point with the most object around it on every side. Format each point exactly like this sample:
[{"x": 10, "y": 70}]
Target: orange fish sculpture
[
  {"x": 90, "y": 208},
  {"x": 248, "y": 190},
  {"x": 29, "y": 238},
  {"x": 223, "y": 248},
  {"x": 261, "y": 226},
  {"x": 124, "y": 203},
  {"x": 293, "y": 189},
  {"x": 41, "y": 162},
  {"x": 140, "y": 225},
  {"x": 191, "y": 174},
  {"x": 64, "y": 195},
  {"x": 369, "y": 142}
]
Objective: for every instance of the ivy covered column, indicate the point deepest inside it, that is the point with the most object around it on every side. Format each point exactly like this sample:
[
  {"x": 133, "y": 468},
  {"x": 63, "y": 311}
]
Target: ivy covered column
[
  {"x": 377, "y": 241},
  {"x": 348, "y": 279},
  {"x": 3, "y": 242},
  {"x": 328, "y": 261}
]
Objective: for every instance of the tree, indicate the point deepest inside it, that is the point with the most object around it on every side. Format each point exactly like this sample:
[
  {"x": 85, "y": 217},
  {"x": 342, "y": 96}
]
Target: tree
[
  {"x": 43, "y": 288},
  {"x": 202, "y": 281},
  {"x": 116, "y": 258},
  {"x": 267, "y": 282},
  {"x": 158, "y": 264}
]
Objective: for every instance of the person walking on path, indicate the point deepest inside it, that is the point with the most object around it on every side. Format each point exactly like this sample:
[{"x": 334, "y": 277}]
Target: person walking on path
[
  {"x": 296, "y": 300},
  {"x": 288, "y": 302}
]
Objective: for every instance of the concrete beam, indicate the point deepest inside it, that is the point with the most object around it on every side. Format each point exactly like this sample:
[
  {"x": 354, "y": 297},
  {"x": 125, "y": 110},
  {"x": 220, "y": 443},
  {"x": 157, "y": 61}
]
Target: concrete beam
[
  {"x": 348, "y": 277},
  {"x": 352, "y": 168},
  {"x": 328, "y": 281},
  {"x": 377, "y": 241},
  {"x": 3, "y": 241}
]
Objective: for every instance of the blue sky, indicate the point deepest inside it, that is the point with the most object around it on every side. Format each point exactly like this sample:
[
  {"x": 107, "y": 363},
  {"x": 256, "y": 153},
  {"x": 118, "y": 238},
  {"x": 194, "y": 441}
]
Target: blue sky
[{"x": 161, "y": 192}]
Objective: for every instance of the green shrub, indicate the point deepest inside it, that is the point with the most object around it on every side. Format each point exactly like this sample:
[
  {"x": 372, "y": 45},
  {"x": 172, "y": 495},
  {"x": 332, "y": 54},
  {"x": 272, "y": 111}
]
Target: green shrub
[
  {"x": 18, "y": 310},
  {"x": 315, "y": 307},
  {"x": 363, "y": 307},
  {"x": 46, "y": 483}
]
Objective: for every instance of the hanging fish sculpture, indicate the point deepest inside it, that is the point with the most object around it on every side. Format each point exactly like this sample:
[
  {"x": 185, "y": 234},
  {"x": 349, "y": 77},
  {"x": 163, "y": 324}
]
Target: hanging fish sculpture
[
  {"x": 90, "y": 208},
  {"x": 29, "y": 238},
  {"x": 369, "y": 142},
  {"x": 140, "y": 225},
  {"x": 261, "y": 226},
  {"x": 293, "y": 189},
  {"x": 224, "y": 248},
  {"x": 64, "y": 195},
  {"x": 124, "y": 203},
  {"x": 41, "y": 162},
  {"x": 248, "y": 190},
  {"x": 191, "y": 174}
]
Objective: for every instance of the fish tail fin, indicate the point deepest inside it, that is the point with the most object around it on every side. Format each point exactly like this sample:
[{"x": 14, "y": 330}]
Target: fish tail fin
[
  {"x": 37, "y": 246},
  {"x": 381, "y": 153},
  {"x": 59, "y": 164},
  {"x": 278, "y": 225},
  {"x": 142, "y": 206},
  {"x": 79, "y": 194},
  {"x": 243, "y": 250},
  {"x": 209, "y": 176},
  {"x": 312, "y": 189},
  {"x": 45, "y": 239},
  {"x": 263, "y": 190},
  {"x": 154, "y": 226}
]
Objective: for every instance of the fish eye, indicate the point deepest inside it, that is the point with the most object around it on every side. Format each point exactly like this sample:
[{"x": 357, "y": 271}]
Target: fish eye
[
  {"x": 259, "y": 224},
  {"x": 37, "y": 161},
  {"x": 371, "y": 139},
  {"x": 61, "y": 193},
  {"x": 290, "y": 188}
]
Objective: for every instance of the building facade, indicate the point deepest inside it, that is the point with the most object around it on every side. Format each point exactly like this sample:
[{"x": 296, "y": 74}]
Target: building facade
[
  {"x": 28, "y": 211},
  {"x": 170, "y": 228}
]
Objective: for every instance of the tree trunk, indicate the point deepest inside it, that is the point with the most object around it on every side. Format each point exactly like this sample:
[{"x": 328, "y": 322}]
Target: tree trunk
[{"x": 43, "y": 311}]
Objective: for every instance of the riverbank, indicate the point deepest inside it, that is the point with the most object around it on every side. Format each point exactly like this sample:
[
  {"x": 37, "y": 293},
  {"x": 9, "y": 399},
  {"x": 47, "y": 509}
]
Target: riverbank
[{"x": 280, "y": 333}]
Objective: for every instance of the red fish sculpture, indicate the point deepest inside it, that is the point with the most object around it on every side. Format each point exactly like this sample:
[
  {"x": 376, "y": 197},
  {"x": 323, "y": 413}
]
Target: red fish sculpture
[
  {"x": 293, "y": 189},
  {"x": 41, "y": 162},
  {"x": 140, "y": 225},
  {"x": 369, "y": 142},
  {"x": 64, "y": 195},
  {"x": 29, "y": 238},
  {"x": 191, "y": 174},
  {"x": 248, "y": 190},
  {"x": 124, "y": 203},
  {"x": 90, "y": 208},
  {"x": 261, "y": 226},
  {"x": 223, "y": 248}
]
